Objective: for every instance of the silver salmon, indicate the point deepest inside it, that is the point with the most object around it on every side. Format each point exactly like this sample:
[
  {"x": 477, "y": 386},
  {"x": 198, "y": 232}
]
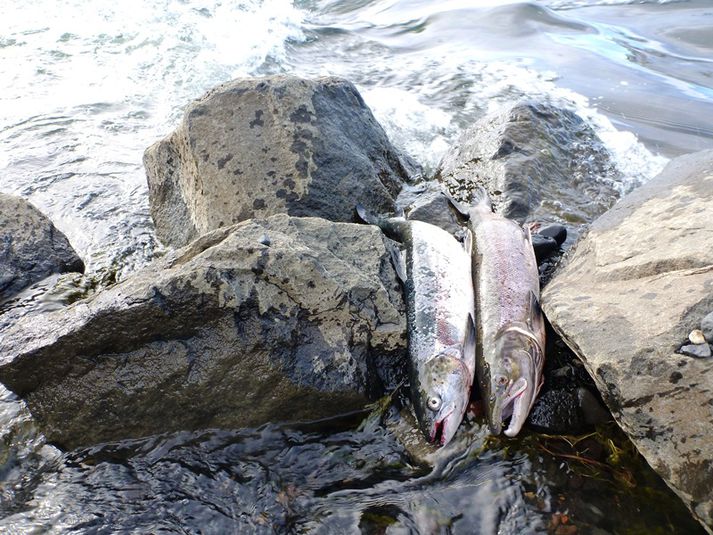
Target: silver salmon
[
  {"x": 435, "y": 269},
  {"x": 511, "y": 329}
]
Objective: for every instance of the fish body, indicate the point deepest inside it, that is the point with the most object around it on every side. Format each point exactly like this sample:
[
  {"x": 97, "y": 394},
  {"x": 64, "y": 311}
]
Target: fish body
[
  {"x": 435, "y": 269},
  {"x": 511, "y": 329}
]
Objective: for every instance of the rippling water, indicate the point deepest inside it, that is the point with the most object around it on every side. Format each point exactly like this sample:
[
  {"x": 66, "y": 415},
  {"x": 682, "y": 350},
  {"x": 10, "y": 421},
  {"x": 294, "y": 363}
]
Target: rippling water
[{"x": 86, "y": 85}]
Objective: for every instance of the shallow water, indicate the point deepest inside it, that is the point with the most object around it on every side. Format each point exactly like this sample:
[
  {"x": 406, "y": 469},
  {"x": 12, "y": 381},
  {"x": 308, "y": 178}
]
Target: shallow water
[{"x": 88, "y": 85}]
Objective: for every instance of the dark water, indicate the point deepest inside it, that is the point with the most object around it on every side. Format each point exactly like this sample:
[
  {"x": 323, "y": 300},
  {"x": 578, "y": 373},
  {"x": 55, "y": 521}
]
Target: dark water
[{"x": 87, "y": 85}]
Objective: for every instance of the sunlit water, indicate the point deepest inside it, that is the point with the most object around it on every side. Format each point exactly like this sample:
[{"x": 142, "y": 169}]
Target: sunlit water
[{"x": 86, "y": 86}]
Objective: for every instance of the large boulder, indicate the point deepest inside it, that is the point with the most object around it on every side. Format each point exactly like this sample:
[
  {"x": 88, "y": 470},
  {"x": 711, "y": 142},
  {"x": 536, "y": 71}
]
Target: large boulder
[
  {"x": 281, "y": 144},
  {"x": 283, "y": 319},
  {"x": 626, "y": 301},
  {"x": 538, "y": 162},
  {"x": 31, "y": 247}
]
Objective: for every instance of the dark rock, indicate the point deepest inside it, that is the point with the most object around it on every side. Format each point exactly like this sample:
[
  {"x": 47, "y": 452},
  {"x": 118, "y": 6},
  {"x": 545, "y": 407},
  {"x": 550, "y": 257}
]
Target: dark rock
[
  {"x": 591, "y": 408},
  {"x": 538, "y": 162},
  {"x": 544, "y": 247},
  {"x": 426, "y": 202},
  {"x": 31, "y": 247},
  {"x": 257, "y": 147},
  {"x": 554, "y": 231},
  {"x": 227, "y": 332},
  {"x": 707, "y": 327},
  {"x": 697, "y": 350},
  {"x": 556, "y": 411},
  {"x": 624, "y": 301}
]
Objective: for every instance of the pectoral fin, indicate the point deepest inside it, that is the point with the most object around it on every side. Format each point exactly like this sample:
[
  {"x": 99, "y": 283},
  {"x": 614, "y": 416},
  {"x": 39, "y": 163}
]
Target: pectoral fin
[
  {"x": 470, "y": 342},
  {"x": 535, "y": 319},
  {"x": 398, "y": 259},
  {"x": 468, "y": 242}
]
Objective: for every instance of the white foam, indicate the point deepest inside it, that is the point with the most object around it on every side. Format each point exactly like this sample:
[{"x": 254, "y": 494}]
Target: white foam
[{"x": 420, "y": 130}]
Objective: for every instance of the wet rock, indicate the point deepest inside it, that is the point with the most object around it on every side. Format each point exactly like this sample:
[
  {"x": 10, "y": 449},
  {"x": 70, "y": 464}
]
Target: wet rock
[
  {"x": 556, "y": 411},
  {"x": 707, "y": 327},
  {"x": 227, "y": 332},
  {"x": 554, "y": 231},
  {"x": 697, "y": 350},
  {"x": 592, "y": 409},
  {"x": 31, "y": 247},
  {"x": 539, "y": 162},
  {"x": 626, "y": 298},
  {"x": 281, "y": 144},
  {"x": 426, "y": 202},
  {"x": 544, "y": 247}
]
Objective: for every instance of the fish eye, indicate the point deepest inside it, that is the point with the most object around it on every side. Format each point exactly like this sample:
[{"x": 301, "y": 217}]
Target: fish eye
[
  {"x": 434, "y": 403},
  {"x": 501, "y": 380}
]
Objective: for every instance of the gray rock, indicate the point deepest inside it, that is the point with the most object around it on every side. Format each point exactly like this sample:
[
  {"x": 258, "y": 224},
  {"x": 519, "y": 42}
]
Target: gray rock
[
  {"x": 257, "y": 147},
  {"x": 537, "y": 161},
  {"x": 700, "y": 351},
  {"x": 630, "y": 293},
  {"x": 31, "y": 247},
  {"x": 707, "y": 327},
  {"x": 426, "y": 202},
  {"x": 227, "y": 332}
]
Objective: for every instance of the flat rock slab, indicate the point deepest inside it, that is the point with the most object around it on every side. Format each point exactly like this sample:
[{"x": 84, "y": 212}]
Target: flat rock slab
[
  {"x": 626, "y": 300},
  {"x": 283, "y": 319},
  {"x": 261, "y": 146},
  {"x": 31, "y": 247}
]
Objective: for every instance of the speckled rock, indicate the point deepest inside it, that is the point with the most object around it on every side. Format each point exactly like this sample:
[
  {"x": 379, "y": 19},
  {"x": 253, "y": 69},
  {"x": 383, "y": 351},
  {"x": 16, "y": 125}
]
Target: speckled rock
[
  {"x": 539, "y": 162},
  {"x": 261, "y": 146},
  {"x": 31, "y": 247},
  {"x": 227, "y": 332},
  {"x": 626, "y": 300}
]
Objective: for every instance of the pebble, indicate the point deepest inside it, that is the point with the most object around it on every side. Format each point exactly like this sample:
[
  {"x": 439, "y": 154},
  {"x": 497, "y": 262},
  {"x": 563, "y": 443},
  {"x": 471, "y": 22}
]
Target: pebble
[
  {"x": 697, "y": 337},
  {"x": 707, "y": 327},
  {"x": 697, "y": 350}
]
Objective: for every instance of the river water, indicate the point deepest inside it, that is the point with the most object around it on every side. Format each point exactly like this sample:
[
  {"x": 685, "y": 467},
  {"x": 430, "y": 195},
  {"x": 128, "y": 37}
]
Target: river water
[{"x": 87, "y": 85}]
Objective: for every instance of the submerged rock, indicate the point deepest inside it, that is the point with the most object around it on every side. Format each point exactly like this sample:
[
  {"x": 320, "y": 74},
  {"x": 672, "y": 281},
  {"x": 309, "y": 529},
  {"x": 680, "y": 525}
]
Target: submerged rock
[
  {"x": 227, "y": 332},
  {"x": 627, "y": 298},
  {"x": 31, "y": 247},
  {"x": 280, "y": 144},
  {"x": 538, "y": 162}
]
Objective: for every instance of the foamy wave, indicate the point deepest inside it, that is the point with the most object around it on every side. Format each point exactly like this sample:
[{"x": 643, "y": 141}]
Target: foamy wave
[{"x": 420, "y": 130}]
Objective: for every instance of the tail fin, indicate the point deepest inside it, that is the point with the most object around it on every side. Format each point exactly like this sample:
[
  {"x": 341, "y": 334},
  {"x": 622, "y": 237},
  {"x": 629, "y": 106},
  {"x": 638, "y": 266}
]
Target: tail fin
[
  {"x": 481, "y": 200},
  {"x": 460, "y": 208},
  {"x": 365, "y": 216},
  {"x": 396, "y": 228}
]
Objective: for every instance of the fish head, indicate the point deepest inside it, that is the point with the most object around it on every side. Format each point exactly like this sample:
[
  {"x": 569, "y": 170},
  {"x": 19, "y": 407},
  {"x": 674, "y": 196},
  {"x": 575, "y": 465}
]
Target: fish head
[
  {"x": 515, "y": 378},
  {"x": 442, "y": 395}
]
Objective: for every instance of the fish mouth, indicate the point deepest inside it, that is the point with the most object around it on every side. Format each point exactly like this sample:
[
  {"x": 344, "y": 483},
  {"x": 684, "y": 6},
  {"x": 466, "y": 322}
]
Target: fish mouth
[
  {"x": 438, "y": 433},
  {"x": 513, "y": 406}
]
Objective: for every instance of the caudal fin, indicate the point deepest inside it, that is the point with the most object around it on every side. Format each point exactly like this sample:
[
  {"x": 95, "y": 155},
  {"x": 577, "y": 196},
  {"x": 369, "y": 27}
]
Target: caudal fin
[
  {"x": 480, "y": 200},
  {"x": 365, "y": 216},
  {"x": 396, "y": 228}
]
